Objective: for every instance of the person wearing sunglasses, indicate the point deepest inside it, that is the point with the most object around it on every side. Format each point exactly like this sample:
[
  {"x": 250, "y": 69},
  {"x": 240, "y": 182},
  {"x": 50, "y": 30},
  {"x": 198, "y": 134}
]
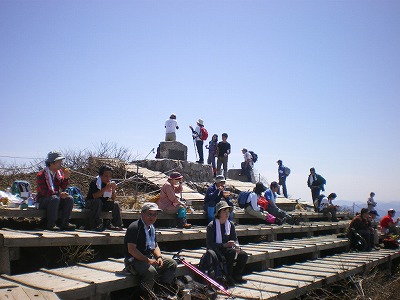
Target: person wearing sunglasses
[{"x": 143, "y": 255}]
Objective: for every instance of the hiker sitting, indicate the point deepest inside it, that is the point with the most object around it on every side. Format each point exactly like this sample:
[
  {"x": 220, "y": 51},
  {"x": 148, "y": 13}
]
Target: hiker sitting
[
  {"x": 388, "y": 224},
  {"x": 50, "y": 183},
  {"x": 214, "y": 194},
  {"x": 222, "y": 239},
  {"x": 271, "y": 195},
  {"x": 375, "y": 225},
  {"x": 170, "y": 203},
  {"x": 360, "y": 226},
  {"x": 142, "y": 253},
  {"x": 101, "y": 197},
  {"x": 326, "y": 206},
  {"x": 253, "y": 208}
]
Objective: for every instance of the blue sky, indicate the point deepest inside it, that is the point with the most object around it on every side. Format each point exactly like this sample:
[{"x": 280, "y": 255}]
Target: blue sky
[{"x": 314, "y": 83}]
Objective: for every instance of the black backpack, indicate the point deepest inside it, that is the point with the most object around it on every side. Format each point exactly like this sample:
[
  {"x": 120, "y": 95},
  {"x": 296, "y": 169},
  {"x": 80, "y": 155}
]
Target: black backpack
[
  {"x": 213, "y": 265},
  {"x": 254, "y": 156}
]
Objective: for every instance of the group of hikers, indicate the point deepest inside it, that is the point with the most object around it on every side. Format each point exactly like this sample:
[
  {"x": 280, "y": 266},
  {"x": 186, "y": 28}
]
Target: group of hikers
[
  {"x": 142, "y": 253},
  {"x": 364, "y": 229}
]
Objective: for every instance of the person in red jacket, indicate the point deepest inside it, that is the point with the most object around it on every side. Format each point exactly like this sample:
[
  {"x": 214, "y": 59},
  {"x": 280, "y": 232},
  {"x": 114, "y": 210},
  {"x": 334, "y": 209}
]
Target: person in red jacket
[
  {"x": 388, "y": 225},
  {"x": 51, "y": 182}
]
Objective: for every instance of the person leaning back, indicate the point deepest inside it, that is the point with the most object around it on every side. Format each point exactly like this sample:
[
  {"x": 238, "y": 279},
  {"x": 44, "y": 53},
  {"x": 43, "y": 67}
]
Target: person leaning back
[{"x": 51, "y": 181}]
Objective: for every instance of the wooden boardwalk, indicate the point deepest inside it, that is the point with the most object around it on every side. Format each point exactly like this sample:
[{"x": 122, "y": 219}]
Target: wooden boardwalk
[
  {"x": 12, "y": 240},
  {"x": 292, "y": 281},
  {"x": 286, "y": 282}
]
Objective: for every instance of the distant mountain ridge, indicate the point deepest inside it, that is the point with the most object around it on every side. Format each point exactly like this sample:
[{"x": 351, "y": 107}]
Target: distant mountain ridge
[{"x": 381, "y": 207}]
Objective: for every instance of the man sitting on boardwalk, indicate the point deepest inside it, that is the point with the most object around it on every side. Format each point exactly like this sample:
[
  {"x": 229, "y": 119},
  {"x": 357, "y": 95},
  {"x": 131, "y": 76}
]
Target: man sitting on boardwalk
[
  {"x": 214, "y": 194},
  {"x": 101, "y": 197},
  {"x": 142, "y": 253},
  {"x": 50, "y": 183},
  {"x": 388, "y": 224}
]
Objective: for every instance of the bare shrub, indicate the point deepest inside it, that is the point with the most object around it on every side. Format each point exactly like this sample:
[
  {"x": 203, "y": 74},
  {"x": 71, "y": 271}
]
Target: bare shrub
[{"x": 71, "y": 255}]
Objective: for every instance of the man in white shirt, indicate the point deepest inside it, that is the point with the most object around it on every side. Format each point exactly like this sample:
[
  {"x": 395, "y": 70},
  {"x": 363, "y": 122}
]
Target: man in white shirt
[
  {"x": 326, "y": 206},
  {"x": 247, "y": 165},
  {"x": 170, "y": 125}
]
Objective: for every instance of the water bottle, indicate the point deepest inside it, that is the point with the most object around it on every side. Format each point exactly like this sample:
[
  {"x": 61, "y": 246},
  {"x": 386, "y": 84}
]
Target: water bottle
[{"x": 31, "y": 202}]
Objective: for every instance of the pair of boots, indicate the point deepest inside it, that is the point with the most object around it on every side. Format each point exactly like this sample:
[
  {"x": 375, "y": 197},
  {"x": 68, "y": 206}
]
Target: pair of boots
[
  {"x": 65, "y": 225},
  {"x": 182, "y": 223}
]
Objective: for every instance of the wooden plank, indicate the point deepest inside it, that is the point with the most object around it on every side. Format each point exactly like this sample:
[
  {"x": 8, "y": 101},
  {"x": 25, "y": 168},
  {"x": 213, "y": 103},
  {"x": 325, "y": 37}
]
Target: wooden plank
[
  {"x": 103, "y": 280},
  {"x": 65, "y": 288}
]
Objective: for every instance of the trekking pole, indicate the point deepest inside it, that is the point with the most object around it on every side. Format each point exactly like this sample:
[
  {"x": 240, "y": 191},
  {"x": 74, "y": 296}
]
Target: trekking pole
[
  {"x": 180, "y": 259},
  {"x": 195, "y": 148}
]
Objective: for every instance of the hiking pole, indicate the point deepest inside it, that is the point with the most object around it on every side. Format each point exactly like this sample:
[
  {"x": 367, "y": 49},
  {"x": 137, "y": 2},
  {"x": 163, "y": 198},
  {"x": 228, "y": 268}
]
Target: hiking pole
[
  {"x": 194, "y": 144},
  {"x": 180, "y": 259}
]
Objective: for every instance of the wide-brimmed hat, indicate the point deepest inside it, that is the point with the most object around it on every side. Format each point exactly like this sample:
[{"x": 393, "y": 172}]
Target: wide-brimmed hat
[
  {"x": 221, "y": 205},
  {"x": 54, "y": 156},
  {"x": 219, "y": 178},
  {"x": 200, "y": 121},
  {"x": 391, "y": 210},
  {"x": 260, "y": 188},
  {"x": 150, "y": 206},
  {"x": 175, "y": 175},
  {"x": 374, "y": 212}
]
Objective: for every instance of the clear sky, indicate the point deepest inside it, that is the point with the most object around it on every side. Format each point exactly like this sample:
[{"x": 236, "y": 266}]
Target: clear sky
[{"x": 314, "y": 83}]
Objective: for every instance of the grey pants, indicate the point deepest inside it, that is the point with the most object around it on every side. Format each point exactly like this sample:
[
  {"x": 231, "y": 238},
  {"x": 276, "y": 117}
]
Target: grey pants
[
  {"x": 149, "y": 274},
  {"x": 55, "y": 206}
]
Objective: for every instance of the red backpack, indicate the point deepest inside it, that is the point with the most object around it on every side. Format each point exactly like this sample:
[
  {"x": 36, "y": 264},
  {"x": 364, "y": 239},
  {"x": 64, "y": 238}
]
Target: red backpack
[{"x": 203, "y": 133}]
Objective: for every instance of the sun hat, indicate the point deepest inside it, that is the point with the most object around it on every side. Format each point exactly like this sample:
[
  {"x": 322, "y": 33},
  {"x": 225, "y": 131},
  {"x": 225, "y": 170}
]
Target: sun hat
[
  {"x": 244, "y": 149},
  {"x": 260, "y": 188},
  {"x": 219, "y": 178},
  {"x": 150, "y": 206},
  {"x": 54, "y": 156},
  {"x": 374, "y": 212},
  {"x": 175, "y": 175},
  {"x": 200, "y": 121},
  {"x": 221, "y": 205},
  {"x": 391, "y": 210}
]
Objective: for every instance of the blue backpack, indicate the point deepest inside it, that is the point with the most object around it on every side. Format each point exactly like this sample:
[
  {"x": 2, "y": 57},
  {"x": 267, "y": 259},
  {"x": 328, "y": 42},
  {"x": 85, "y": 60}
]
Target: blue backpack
[
  {"x": 242, "y": 199},
  {"x": 76, "y": 193}
]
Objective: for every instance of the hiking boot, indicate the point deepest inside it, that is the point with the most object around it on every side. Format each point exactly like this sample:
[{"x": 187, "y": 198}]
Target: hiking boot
[
  {"x": 68, "y": 226},
  {"x": 184, "y": 226},
  {"x": 116, "y": 228},
  {"x": 239, "y": 279},
  {"x": 53, "y": 228},
  {"x": 230, "y": 281},
  {"x": 99, "y": 228}
]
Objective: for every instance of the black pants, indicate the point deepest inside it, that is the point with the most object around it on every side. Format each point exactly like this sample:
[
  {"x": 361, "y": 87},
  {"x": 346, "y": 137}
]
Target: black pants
[
  {"x": 97, "y": 206},
  {"x": 199, "y": 145},
  {"x": 237, "y": 270}
]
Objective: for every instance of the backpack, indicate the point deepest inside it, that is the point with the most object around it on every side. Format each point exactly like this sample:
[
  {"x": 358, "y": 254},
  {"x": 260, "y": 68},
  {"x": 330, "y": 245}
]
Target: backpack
[
  {"x": 357, "y": 242},
  {"x": 203, "y": 133},
  {"x": 318, "y": 202},
  {"x": 21, "y": 188},
  {"x": 287, "y": 171},
  {"x": 76, "y": 193},
  {"x": 242, "y": 199},
  {"x": 390, "y": 243},
  {"x": 254, "y": 156},
  {"x": 263, "y": 203},
  {"x": 213, "y": 265}
]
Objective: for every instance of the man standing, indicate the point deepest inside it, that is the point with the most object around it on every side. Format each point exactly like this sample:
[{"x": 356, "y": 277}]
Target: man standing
[
  {"x": 247, "y": 164},
  {"x": 170, "y": 125},
  {"x": 142, "y": 253},
  {"x": 196, "y": 133},
  {"x": 223, "y": 150},
  {"x": 282, "y": 177},
  {"x": 316, "y": 183},
  {"x": 50, "y": 183},
  {"x": 371, "y": 202}
]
